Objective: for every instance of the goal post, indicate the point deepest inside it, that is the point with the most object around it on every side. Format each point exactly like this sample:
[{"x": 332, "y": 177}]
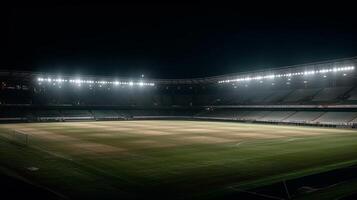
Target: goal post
[{"x": 20, "y": 137}]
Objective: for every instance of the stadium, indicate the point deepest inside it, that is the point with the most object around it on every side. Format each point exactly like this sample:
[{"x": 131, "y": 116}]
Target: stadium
[
  {"x": 178, "y": 100},
  {"x": 280, "y": 133}
]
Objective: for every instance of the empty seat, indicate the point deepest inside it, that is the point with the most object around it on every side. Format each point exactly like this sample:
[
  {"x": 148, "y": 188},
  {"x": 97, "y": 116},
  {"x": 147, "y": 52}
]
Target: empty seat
[
  {"x": 329, "y": 94},
  {"x": 303, "y": 117},
  {"x": 258, "y": 97},
  {"x": 277, "y": 96},
  {"x": 254, "y": 115},
  {"x": 300, "y": 95},
  {"x": 336, "y": 117},
  {"x": 276, "y": 116},
  {"x": 219, "y": 113},
  {"x": 353, "y": 95}
]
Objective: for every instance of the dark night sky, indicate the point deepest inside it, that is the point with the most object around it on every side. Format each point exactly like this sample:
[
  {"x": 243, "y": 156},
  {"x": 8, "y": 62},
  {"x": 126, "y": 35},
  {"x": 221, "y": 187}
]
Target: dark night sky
[{"x": 172, "y": 40}]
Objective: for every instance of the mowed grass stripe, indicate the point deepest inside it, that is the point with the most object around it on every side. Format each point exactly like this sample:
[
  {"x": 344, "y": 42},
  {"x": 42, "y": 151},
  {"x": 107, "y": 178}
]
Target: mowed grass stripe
[{"x": 179, "y": 155}]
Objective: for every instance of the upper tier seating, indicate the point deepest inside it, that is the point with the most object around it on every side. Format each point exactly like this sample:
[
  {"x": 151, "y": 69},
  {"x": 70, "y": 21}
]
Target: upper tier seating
[
  {"x": 300, "y": 95},
  {"x": 258, "y": 97},
  {"x": 353, "y": 95},
  {"x": 277, "y": 96},
  {"x": 330, "y": 94}
]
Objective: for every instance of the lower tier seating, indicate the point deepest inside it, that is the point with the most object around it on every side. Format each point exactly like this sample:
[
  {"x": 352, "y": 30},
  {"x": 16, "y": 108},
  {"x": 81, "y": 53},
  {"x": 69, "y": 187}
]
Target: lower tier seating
[{"x": 317, "y": 117}]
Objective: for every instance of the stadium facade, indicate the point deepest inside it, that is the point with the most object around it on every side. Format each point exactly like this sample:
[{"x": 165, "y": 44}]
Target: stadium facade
[{"x": 322, "y": 93}]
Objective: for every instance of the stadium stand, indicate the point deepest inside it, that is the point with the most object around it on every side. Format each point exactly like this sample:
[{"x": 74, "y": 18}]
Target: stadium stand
[
  {"x": 302, "y": 94},
  {"x": 46, "y": 115},
  {"x": 303, "y": 117},
  {"x": 12, "y": 114},
  {"x": 277, "y": 116},
  {"x": 257, "y": 97},
  {"x": 353, "y": 95},
  {"x": 253, "y": 115},
  {"x": 277, "y": 96},
  {"x": 339, "y": 118},
  {"x": 218, "y": 114},
  {"x": 330, "y": 94},
  {"x": 76, "y": 115},
  {"x": 106, "y": 114}
]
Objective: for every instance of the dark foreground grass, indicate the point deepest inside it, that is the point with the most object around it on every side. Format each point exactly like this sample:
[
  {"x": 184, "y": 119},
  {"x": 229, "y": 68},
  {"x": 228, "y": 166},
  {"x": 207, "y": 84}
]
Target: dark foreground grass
[{"x": 160, "y": 159}]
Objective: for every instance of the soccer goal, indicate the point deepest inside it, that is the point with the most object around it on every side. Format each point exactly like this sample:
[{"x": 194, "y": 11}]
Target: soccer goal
[{"x": 20, "y": 137}]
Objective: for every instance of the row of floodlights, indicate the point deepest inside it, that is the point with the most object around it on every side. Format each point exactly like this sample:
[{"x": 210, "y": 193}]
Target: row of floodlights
[
  {"x": 80, "y": 81},
  {"x": 272, "y": 76}
]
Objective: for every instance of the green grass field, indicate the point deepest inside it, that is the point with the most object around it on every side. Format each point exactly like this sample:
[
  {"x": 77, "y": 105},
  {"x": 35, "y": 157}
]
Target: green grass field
[{"x": 169, "y": 159}]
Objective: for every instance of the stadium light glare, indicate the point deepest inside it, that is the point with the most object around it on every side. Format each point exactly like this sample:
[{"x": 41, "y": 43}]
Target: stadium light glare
[
  {"x": 91, "y": 82},
  {"x": 272, "y": 76},
  {"x": 309, "y": 72}
]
